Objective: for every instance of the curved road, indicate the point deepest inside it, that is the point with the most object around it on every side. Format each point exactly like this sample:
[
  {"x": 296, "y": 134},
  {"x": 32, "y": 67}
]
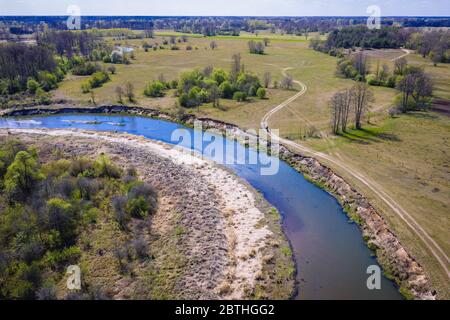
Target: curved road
[{"x": 431, "y": 244}]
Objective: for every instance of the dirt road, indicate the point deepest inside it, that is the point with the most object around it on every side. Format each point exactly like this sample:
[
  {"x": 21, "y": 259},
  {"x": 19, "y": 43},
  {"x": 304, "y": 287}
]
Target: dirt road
[{"x": 378, "y": 190}]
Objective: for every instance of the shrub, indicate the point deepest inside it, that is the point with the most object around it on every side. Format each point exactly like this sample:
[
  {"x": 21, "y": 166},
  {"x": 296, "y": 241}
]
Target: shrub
[
  {"x": 43, "y": 97},
  {"x": 373, "y": 81},
  {"x": 98, "y": 79},
  {"x": 137, "y": 207},
  {"x": 104, "y": 169},
  {"x": 85, "y": 87},
  {"x": 219, "y": 75},
  {"x": 32, "y": 85},
  {"x": 155, "y": 89},
  {"x": 119, "y": 204},
  {"x": 47, "y": 80},
  {"x": 226, "y": 90},
  {"x": 173, "y": 84},
  {"x": 46, "y": 293},
  {"x": 261, "y": 93},
  {"x": 86, "y": 69},
  {"x": 239, "y": 96},
  {"x": 248, "y": 83},
  {"x": 140, "y": 248}
]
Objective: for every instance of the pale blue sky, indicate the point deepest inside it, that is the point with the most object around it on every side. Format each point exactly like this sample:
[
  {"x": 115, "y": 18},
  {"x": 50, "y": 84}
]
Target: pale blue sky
[{"x": 227, "y": 7}]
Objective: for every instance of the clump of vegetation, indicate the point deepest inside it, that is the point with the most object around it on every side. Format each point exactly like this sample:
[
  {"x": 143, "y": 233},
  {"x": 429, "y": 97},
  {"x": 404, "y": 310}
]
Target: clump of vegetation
[
  {"x": 256, "y": 47},
  {"x": 96, "y": 81},
  {"x": 208, "y": 86},
  {"x": 46, "y": 207},
  {"x": 155, "y": 89}
]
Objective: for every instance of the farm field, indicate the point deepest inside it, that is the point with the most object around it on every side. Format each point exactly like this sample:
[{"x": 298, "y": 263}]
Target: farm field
[{"x": 407, "y": 155}]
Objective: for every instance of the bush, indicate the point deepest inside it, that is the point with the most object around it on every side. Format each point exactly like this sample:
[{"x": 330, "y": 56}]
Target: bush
[
  {"x": 48, "y": 80},
  {"x": 140, "y": 248},
  {"x": 137, "y": 207},
  {"x": 104, "y": 169},
  {"x": 155, "y": 89},
  {"x": 98, "y": 79},
  {"x": 226, "y": 89},
  {"x": 373, "y": 81},
  {"x": 32, "y": 85},
  {"x": 248, "y": 83},
  {"x": 261, "y": 93},
  {"x": 119, "y": 204},
  {"x": 86, "y": 69},
  {"x": 239, "y": 96},
  {"x": 43, "y": 97}
]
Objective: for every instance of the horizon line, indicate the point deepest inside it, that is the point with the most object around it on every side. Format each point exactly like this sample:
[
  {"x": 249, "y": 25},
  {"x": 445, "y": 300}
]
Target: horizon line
[{"x": 227, "y": 16}]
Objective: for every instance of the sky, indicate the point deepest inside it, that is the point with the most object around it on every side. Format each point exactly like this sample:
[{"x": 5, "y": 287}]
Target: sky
[{"x": 227, "y": 7}]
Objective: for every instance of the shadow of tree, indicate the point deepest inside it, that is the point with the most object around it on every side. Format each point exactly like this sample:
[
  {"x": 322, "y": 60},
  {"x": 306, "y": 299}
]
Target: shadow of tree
[{"x": 365, "y": 136}]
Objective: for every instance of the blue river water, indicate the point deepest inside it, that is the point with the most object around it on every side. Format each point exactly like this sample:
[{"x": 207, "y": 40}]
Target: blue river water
[{"x": 330, "y": 254}]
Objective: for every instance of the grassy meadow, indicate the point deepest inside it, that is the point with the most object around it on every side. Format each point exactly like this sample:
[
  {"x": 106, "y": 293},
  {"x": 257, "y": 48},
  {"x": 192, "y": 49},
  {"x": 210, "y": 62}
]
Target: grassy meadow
[{"x": 409, "y": 155}]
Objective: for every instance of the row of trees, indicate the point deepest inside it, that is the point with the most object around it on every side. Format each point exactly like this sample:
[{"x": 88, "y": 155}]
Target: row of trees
[
  {"x": 432, "y": 44},
  {"x": 19, "y": 63},
  {"x": 350, "y": 104},
  {"x": 415, "y": 85},
  {"x": 115, "y": 26},
  {"x": 47, "y": 208}
]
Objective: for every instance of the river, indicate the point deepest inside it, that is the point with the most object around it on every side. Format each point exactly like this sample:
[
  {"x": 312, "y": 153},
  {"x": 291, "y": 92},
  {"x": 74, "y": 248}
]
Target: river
[{"x": 330, "y": 254}]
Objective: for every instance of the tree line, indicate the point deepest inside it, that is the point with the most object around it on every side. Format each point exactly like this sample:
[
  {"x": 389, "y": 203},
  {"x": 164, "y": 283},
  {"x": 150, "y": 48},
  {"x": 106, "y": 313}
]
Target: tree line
[{"x": 434, "y": 44}]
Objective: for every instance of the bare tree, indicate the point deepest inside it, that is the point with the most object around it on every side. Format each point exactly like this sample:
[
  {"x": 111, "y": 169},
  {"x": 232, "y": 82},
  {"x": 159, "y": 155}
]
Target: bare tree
[
  {"x": 336, "y": 109},
  {"x": 423, "y": 90},
  {"x": 340, "y": 105},
  {"x": 267, "y": 79},
  {"x": 362, "y": 95},
  {"x": 119, "y": 94},
  {"x": 235, "y": 66},
  {"x": 347, "y": 99},
  {"x": 361, "y": 64},
  {"x": 400, "y": 66},
  {"x": 416, "y": 84},
  {"x": 129, "y": 91},
  {"x": 214, "y": 93},
  {"x": 266, "y": 41},
  {"x": 93, "y": 98},
  {"x": 213, "y": 45},
  {"x": 207, "y": 71},
  {"x": 287, "y": 82},
  {"x": 256, "y": 47}
]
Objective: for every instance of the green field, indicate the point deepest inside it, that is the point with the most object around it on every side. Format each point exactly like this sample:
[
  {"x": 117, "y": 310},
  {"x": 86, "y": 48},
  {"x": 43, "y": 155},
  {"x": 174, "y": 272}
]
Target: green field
[{"x": 409, "y": 156}]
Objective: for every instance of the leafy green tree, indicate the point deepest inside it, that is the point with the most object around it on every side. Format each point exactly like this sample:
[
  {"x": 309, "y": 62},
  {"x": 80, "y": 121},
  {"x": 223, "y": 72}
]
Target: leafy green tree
[
  {"x": 32, "y": 85},
  {"x": 48, "y": 80},
  {"x": 239, "y": 96},
  {"x": 227, "y": 90},
  {"x": 22, "y": 174},
  {"x": 219, "y": 75},
  {"x": 248, "y": 83},
  {"x": 261, "y": 93}
]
